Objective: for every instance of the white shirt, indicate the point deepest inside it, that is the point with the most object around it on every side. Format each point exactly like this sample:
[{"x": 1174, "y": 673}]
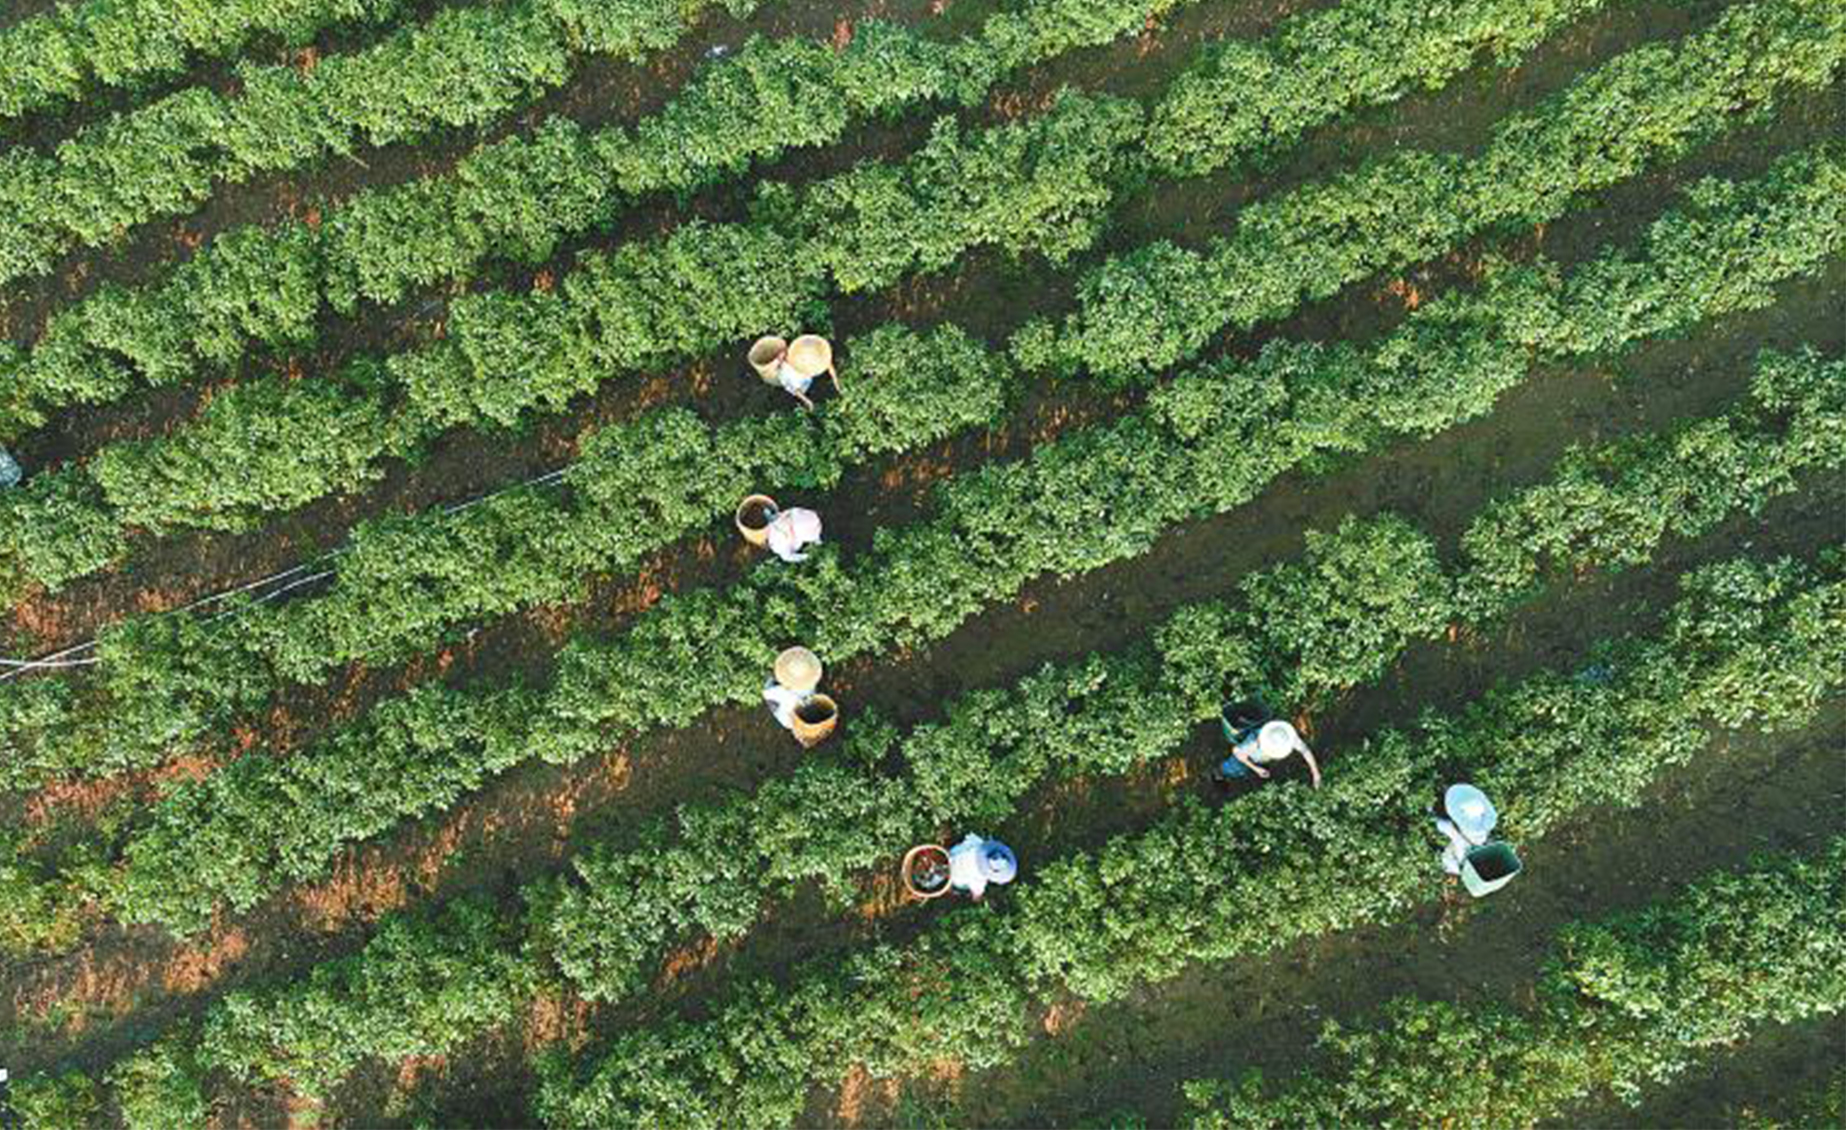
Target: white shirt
[
  {"x": 965, "y": 872},
  {"x": 783, "y": 702},
  {"x": 792, "y": 529},
  {"x": 793, "y": 379},
  {"x": 1460, "y": 844}
]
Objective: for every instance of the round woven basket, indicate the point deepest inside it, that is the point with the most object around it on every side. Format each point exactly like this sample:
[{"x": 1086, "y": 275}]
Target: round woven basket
[
  {"x": 923, "y": 861},
  {"x": 810, "y": 355},
  {"x": 799, "y": 669},
  {"x": 815, "y": 719},
  {"x": 766, "y": 357},
  {"x": 753, "y": 517}
]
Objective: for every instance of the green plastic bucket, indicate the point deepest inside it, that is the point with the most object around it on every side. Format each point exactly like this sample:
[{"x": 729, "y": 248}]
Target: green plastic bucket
[
  {"x": 1239, "y": 718},
  {"x": 1489, "y": 867}
]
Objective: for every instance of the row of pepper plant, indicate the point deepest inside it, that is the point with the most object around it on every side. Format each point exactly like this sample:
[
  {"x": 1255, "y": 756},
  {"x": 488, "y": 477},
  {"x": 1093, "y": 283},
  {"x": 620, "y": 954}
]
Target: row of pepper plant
[
  {"x": 517, "y": 198},
  {"x": 1294, "y": 248},
  {"x": 77, "y": 520},
  {"x": 1750, "y": 644},
  {"x": 1627, "y": 1001},
  {"x": 1210, "y": 444},
  {"x": 1300, "y": 633},
  {"x": 59, "y": 58},
  {"x": 466, "y": 67}
]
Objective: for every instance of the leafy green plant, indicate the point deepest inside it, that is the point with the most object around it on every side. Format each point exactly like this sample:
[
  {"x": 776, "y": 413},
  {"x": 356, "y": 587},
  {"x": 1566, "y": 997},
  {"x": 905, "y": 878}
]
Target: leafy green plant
[
  {"x": 1194, "y": 450},
  {"x": 1102, "y": 923},
  {"x": 162, "y": 1085},
  {"x": 62, "y": 56},
  {"x": 419, "y": 982},
  {"x": 1623, "y": 1001},
  {"x": 463, "y": 68},
  {"x": 67, "y": 1101}
]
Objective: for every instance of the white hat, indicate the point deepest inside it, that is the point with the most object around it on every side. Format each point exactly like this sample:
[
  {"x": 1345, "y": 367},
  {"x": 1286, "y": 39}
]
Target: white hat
[
  {"x": 998, "y": 863},
  {"x": 1471, "y": 811},
  {"x": 802, "y": 525},
  {"x": 798, "y": 669},
  {"x": 1277, "y": 740}
]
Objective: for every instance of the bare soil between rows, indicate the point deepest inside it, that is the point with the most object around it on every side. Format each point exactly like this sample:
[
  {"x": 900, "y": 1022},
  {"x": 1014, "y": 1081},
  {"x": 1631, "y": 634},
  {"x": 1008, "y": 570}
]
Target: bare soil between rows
[
  {"x": 1747, "y": 794},
  {"x": 551, "y": 812},
  {"x": 984, "y": 295},
  {"x": 527, "y": 823}
]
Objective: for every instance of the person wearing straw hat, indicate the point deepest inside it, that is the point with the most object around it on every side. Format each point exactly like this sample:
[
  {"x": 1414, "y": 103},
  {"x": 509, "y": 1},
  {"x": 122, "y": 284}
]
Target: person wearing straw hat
[
  {"x": 802, "y": 360},
  {"x": 1469, "y": 818},
  {"x": 797, "y": 673},
  {"x": 976, "y": 862},
  {"x": 792, "y": 529},
  {"x": 1258, "y": 747}
]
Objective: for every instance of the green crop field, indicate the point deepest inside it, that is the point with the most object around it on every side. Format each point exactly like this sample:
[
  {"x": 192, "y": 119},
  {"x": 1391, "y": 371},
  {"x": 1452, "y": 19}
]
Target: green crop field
[{"x": 383, "y": 735}]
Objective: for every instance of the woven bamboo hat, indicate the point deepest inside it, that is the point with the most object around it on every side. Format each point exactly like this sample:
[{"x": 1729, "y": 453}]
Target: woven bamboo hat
[
  {"x": 798, "y": 669},
  {"x": 810, "y": 355}
]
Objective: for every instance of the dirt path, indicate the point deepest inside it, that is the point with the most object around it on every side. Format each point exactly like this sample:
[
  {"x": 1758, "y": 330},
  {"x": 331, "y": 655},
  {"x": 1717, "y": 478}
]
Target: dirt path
[{"x": 1763, "y": 1077}]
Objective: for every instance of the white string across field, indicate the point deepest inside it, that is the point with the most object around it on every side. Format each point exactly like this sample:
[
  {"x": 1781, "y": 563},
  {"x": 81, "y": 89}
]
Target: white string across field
[{"x": 288, "y": 580}]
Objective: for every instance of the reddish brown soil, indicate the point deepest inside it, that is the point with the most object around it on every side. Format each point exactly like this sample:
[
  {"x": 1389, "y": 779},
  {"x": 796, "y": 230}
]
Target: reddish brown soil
[
  {"x": 523, "y": 642},
  {"x": 126, "y": 984}
]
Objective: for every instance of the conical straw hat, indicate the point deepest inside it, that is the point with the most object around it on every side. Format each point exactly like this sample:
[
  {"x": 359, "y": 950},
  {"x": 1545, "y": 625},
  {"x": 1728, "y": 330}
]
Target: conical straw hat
[
  {"x": 810, "y": 355},
  {"x": 798, "y": 669}
]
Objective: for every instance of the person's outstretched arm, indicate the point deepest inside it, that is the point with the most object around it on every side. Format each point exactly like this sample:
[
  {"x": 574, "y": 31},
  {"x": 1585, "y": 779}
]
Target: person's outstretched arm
[
  {"x": 1244, "y": 760},
  {"x": 1307, "y": 755}
]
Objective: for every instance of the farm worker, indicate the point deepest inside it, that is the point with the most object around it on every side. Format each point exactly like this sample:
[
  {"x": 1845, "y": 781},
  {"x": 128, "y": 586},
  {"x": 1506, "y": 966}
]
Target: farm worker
[
  {"x": 10, "y": 474},
  {"x": 1275, "y": 740},
  {"x": 795, "y": 383},
  {"x": 800, "y": 362},
  {"x": 791, "y": 529},
  {"x": 976, "y": 862},
  {"x": 1469, "y": 819},
  {"x": 797, "y": 673}
]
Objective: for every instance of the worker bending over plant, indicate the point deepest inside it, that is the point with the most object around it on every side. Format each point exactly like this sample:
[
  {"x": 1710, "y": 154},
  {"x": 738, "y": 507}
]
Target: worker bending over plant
[
  {"x": 797, "y": 672},
  {"x": 795, "y": 365},
  {"x": 792, "y": 530},
  {"x": 976, "y": 862},
  {"x": 1258, "y": 741}
]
